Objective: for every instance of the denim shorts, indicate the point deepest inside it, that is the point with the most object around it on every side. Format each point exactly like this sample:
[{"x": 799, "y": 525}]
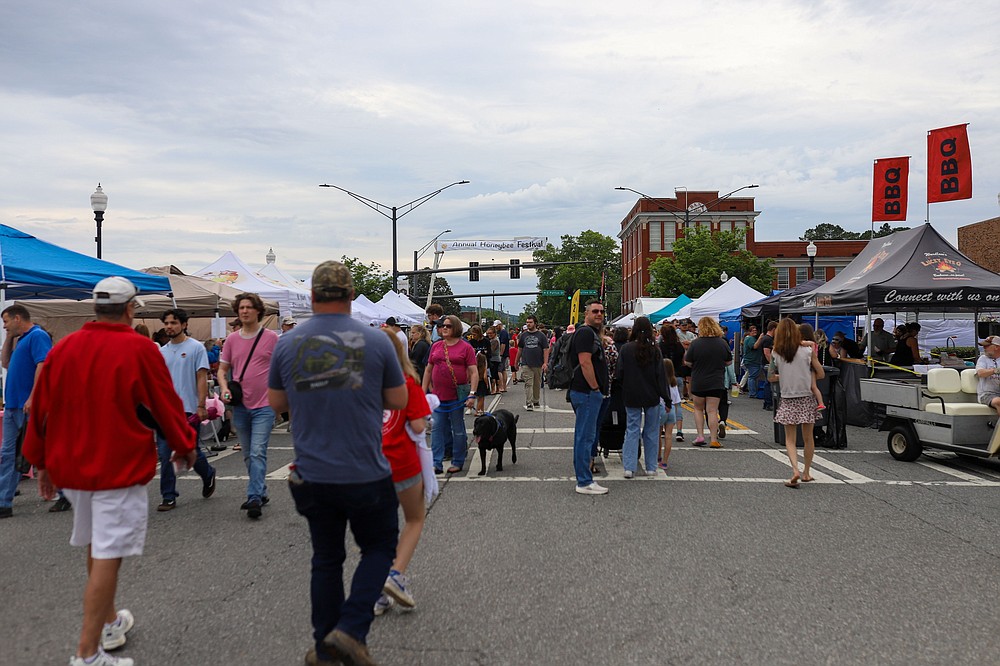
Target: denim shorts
[{"x": 407, "y": 483}]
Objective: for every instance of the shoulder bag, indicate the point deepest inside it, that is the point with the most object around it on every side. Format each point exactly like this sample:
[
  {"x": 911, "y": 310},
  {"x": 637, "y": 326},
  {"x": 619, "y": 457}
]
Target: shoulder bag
[
  {"x": 462, "y": 390},
  {"x": 236, "y": 386}
]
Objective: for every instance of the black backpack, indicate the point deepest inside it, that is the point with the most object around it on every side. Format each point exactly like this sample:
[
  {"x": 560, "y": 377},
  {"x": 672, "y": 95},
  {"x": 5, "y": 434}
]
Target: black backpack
[{"x": 562, "y": 366}]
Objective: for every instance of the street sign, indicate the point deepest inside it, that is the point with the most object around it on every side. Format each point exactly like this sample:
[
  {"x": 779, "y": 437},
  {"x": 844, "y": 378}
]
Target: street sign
[
  {"x": 552, "y": 292},
  {"x": 588, "y": 292}
]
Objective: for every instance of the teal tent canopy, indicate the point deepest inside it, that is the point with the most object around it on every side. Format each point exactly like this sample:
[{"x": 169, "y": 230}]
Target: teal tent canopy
[
  {"x": 33, "y": 268},
  {"x": 679, "y": 303}
]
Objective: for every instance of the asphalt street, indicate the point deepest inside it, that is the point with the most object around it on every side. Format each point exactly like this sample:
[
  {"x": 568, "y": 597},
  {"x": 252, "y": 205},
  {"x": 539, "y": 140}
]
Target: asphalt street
[{"x": 714, "y": 561}]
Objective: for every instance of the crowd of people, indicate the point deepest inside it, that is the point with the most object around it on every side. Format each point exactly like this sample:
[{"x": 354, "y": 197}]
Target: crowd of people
[{"x": 363, "y": 402}]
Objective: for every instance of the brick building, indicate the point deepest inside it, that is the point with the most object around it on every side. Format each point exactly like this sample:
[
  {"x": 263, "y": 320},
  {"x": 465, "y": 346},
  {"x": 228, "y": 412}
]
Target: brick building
[
  {"x": 978, "y": 241},
  {"x": 651, "y": 227}
]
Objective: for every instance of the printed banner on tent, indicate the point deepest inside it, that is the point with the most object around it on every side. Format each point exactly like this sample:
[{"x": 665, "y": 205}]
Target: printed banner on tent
[
  {"x": 949, "y": 164},
  {"x": 515, "y": 245},
  {"x": 890, "y": 187}
]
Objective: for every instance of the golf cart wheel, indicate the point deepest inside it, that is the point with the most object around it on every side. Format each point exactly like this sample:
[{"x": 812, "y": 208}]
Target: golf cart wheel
[{"x": 903, "y": 444}]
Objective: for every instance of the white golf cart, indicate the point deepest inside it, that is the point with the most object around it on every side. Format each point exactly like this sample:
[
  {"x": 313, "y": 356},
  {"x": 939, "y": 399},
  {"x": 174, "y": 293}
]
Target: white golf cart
[{"x": 944, "y": 414}]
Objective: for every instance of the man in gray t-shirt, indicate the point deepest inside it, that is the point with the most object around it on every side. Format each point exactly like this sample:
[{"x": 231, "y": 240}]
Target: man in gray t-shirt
[
  {"x": 533, "y": 358},
  {"x": 988, "y": 372},
  {"x": 336, "y": 377}
]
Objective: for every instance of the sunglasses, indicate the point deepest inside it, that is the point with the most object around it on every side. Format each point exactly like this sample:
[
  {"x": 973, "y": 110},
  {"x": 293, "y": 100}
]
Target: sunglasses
[
  {"x": 445, "y": 326},
  {"x": 597, "y": 311}
]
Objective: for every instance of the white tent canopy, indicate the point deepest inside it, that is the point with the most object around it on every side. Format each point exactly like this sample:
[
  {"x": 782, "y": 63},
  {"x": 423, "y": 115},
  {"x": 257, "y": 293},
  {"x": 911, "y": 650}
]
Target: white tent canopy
[
  {"x": 401, "y": 304},
  {"x": 381, "y": 312},
  {"x": 229, "y": 269},
  {"x": 647, "y": 306},
  {"x": 685, "y": 312},
  {"x": 272, "y": 273},
  {"x": 732, "y": 294}
]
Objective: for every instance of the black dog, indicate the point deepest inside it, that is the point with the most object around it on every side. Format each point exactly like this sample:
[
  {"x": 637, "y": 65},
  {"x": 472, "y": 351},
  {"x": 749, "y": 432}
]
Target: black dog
[{"x": 491, "y": 431}]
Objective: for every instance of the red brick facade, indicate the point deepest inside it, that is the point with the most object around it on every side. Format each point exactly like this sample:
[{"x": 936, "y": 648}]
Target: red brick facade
[
  {"x": 979, "y": 242},
  {"x": 651, "y": 227}
]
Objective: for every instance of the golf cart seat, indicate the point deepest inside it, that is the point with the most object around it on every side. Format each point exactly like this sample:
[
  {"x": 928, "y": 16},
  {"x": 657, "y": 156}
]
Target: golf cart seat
[{"x": 950, "y": 393}]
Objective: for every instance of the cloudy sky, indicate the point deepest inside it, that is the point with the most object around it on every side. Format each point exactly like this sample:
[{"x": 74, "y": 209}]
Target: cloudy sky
[{"x": 211, "y": 125}]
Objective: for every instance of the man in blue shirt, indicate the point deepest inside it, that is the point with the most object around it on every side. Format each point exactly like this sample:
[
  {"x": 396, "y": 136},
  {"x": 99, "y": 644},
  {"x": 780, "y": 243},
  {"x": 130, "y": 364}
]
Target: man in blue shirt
[
  {"x": 24, "y": 350},
  {"x": 336, "y": 376}
]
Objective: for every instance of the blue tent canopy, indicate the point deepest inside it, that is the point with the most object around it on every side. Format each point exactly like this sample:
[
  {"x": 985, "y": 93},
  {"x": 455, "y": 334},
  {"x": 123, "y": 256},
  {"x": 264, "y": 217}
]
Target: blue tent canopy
[
  {"x": 32, "y": 268},
  {"x": 675, "y": 306}
]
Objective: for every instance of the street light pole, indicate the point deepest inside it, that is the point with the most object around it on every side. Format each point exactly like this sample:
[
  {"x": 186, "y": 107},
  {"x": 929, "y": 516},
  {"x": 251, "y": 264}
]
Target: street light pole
[
  {"x": 419, "y": 253},
  {"x": 99, "y": 202},
  {"x": 811, "y": 253},
  {"x": 394, "y": 216}
]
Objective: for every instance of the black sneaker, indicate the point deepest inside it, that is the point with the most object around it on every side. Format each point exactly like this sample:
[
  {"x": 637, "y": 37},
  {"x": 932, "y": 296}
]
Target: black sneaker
[
  {"x": 722, "y": 430},
  {"x": 263, "y": 502},
  {"x": 254, "y": 509},
  {"x": 61, "y": 504},
  {"x": 167, "y": 505},
  {"x": 6, "y": 512},
  {"x": 208, "y": 487}
]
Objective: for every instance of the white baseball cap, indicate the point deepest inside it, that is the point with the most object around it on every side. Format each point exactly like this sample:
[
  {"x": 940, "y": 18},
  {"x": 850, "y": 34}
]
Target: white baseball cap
[
  {"x": 497, "y": 322},
  {"x": 116, "y": 290}
]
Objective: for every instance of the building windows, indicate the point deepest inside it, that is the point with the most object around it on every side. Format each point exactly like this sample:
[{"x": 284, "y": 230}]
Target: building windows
[
  {"x": 669, "y": 236},
  {"x": 801, "y": 275},
  {"x": 783, "y": 277},
  {"x": 836, "y": 270},
  {"x": 655, "y": 236}
]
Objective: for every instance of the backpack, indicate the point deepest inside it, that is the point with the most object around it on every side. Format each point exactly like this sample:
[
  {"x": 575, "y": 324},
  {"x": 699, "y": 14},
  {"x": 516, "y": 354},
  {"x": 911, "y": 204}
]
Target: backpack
[{"x": 562, "y": 366}]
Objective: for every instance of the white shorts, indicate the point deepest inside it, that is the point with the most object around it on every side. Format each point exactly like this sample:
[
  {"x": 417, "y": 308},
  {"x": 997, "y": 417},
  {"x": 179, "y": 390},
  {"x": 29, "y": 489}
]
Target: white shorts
[{"x": 111, "y": 522}]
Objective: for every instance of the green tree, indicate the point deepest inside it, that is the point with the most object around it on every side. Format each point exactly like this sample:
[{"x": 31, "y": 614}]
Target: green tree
[
  {"x": 828, "y": 231},
  {"x": 442, "y": 292},
  {"x": 700, "y": 258},
  {"x": 603, "y": 250},
  {"x": 369, "y": 279}
]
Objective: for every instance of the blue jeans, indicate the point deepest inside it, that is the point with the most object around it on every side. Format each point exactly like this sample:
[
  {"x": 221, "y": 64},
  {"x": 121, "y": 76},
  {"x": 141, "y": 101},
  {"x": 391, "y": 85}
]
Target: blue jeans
[
  {"x": 254, "y": 428},
  {"x": 449, "y": 430},
  {"x": 371, "y": 511},
  {"x": 644, "y": 420},
  {"x": 13, "y": 421},
  {"x": 605, "y": 404},
  {"x": 168, "y": 480},
  {"x": 587, "y": 406},
  {"x": 753, "y": 373}
]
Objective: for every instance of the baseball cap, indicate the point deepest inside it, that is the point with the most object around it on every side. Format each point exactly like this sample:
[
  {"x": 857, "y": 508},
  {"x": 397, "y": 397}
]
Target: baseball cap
[
  {"x": 115, "y": 291},
  {"x": 333, "y": 280},
  {"x": 391, "y": 321},
  {"x": 497, "y": 322},
  {"x": 992, "y": 340},
  {"x": 288, "y": 321}
]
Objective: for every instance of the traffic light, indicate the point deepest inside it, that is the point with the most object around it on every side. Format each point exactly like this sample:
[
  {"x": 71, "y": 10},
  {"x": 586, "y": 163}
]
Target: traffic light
[
  {"x": 473, "y": 271},
  {"x": 515, "y": 269},
  {"x": 569, "y": 294}
]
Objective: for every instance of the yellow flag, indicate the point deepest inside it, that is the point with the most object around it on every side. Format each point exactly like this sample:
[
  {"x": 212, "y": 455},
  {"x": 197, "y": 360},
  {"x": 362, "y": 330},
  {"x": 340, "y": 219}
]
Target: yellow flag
[{"x": 574, "y": 313}]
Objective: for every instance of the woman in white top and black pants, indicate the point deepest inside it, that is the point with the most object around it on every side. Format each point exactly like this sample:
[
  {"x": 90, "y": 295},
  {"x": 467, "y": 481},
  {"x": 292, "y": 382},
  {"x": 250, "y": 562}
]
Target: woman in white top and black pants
[{"x": 794, "y": 365}]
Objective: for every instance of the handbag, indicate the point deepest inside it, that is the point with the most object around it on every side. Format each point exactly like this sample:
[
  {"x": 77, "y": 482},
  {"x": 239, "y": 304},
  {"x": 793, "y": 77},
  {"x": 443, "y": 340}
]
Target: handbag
[
  {"x": 236, "y": 386},
  {"x": 463, "y": 390}
]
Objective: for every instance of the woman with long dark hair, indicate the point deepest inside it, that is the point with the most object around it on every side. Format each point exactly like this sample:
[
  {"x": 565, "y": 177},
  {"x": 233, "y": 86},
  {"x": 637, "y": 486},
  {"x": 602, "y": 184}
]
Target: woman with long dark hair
[
  {"x": 643, "y": 384},
  {"x": 795, "y": 365}
]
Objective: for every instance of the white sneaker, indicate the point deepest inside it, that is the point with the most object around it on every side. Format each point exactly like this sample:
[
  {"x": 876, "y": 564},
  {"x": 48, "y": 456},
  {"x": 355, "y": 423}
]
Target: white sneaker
[
  {"x": 102, "y": 659},
  {"x": 113, "y": 635},
  {"x": 628, "y": 474},
  {"x": 395, "y": 586},
  {"x": 592, "y": 489},
  {"x": 383, "y": 604}
]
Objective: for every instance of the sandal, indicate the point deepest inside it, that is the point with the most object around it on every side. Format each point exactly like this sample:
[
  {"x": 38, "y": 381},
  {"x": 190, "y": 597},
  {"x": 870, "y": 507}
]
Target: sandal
[
  {"x": 792, "y": 482},
  {"x": 237, "y": 447},
  {"x": 454, "y": 470}
]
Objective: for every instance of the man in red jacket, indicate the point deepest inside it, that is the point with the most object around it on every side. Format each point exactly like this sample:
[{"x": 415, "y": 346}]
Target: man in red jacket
[{"x": 101, "y": 393}]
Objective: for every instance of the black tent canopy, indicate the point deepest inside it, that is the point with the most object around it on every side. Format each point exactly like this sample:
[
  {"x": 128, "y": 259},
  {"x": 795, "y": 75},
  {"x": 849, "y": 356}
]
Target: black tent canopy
[
  {"x": 910, "y": 270},
  {"x": 769, "y": 307}
]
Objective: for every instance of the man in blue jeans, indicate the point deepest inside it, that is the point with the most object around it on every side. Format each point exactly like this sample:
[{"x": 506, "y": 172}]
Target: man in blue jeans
[
  {"x": 336, "y": 376},
  {"x": 24, "y": 351},
  {"x": 187, "y": 361},
  {"x": 753, "y": 359},
  {"x": 587, "y": 389}
]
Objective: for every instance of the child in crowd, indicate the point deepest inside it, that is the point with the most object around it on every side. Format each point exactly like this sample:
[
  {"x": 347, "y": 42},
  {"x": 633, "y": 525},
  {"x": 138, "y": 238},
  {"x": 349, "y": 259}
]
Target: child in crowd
[
  {"x": 809, "y": 340},
  {"x": 670, "y": 415},
  {"x": 483, "y": 389},
  {"x": 404, "y": 459}
]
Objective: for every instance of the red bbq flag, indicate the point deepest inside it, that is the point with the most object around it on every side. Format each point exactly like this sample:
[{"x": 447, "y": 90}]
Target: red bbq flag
[
  {"x": 949, "y": 164},
  {"x": 890, "y": 186}
]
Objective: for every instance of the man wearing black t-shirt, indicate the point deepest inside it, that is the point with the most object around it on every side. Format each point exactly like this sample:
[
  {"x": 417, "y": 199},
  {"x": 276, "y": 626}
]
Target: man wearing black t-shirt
[
  {"x": 765, "y": 343},
  {"x": 586, "y": 393}
]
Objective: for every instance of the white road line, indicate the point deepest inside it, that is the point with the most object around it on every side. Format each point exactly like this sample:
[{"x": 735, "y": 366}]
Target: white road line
[
  {"x": 944, "y": 469},
  {"x": 851, "y": 476},
  {"x": 551, "y": 431},
  {"x": 280, "y": 474},
  {"x": 715, "y": 479},
  {"x": 782, "y": 457}
]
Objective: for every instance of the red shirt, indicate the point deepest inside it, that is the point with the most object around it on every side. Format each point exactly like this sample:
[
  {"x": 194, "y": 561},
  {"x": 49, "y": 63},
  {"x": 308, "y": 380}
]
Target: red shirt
[
  {"x": 84, "y": 427},
  {"x": 399, "y": 449}
]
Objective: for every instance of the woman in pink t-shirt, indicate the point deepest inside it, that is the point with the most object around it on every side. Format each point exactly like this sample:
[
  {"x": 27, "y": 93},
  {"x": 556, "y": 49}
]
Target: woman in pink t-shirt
[{"x": 451, "y": 367}]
